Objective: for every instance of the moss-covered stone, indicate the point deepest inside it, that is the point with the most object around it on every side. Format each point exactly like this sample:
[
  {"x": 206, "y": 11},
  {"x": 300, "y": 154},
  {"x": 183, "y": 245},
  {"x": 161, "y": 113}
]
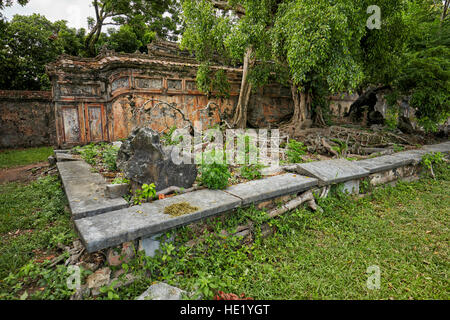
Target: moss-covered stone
[{"x": 179, "y": 209}]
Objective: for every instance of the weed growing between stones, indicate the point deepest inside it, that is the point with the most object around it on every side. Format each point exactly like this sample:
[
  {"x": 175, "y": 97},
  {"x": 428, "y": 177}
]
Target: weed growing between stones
[
  {"x": 295, "y": 151},
  {"x": 101, "y": 155},
  {"x": 214, "y": 172}
]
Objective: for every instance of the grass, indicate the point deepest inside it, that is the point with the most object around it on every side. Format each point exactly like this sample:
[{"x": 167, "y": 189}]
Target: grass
[
  {"x": 323, "y": 255},
  {"x": 403, "y": 230},
  {"x": 33, "y": 220},
  {"x": 15, "y": 157}
]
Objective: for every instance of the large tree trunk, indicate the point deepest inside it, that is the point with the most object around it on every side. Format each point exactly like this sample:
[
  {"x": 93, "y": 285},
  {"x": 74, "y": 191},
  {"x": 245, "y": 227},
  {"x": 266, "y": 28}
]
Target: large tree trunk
[
  {"x": 240, "y": 116},
  {"x": 302, "y": 113}
]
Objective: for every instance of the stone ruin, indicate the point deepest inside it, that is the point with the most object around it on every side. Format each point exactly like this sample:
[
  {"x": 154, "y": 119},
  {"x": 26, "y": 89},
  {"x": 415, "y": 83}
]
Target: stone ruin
[
  {"x": 106, "y": 97},
  {"x": 143, "y": 160}
]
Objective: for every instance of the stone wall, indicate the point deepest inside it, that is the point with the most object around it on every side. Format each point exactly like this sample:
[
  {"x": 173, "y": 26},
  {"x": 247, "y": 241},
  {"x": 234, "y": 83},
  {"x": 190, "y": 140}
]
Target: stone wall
[
  {"x": 26, "y": 119},
  {"x": 340, "y": 103}
]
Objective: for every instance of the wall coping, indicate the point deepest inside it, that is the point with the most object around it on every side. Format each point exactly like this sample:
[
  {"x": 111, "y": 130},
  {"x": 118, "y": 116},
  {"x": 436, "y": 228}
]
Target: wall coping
[{"x": 25, "y": 95}]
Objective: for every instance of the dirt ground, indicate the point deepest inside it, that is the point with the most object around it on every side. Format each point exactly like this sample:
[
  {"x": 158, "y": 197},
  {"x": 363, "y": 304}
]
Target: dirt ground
[{"x": 24, "y": 173}]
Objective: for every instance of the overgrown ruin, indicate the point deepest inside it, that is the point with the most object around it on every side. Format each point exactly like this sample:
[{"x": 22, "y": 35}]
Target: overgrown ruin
[{"x": 104, "y": 98}]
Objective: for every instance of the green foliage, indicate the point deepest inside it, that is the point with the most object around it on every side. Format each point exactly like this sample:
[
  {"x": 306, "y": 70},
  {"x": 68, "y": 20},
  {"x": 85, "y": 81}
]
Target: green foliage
[
  {"x": 147, "y": 192},
  {"x": 251, "y": 172},
  {"x": 430, "y": 159},
  {"x": 135, "y": 35},
  {"x": 27, "y": 44},
  {"x": 140, "y": 21},
  {"x": 426, "y": 78},
  {"x": 391, "y": 119},
  {"x": 295, "y": 151},
  {"x": 214, "y": 170},
  {"x": 109, "y": 155},
  {"x": 167, "y": 137},
  {"x": 103, "y": 154},
  {"x": 425, "y": 73},
  {"x": 120, "y": 180},
  {"x": 341, "y": 147},
  {"x": 38, "y": 207}
]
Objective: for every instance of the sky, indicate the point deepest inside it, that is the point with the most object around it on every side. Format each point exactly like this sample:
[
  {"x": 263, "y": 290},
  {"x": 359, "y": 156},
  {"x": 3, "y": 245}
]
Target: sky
[{"x": 75, "y": 12}]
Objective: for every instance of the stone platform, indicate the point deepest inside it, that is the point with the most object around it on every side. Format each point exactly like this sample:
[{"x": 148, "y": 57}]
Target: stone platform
[{"x": 103, "y": 222}]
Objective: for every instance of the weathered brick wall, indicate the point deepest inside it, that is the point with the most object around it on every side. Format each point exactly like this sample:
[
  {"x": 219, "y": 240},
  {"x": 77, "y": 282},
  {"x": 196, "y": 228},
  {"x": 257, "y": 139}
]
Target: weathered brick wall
[
  {"x": 104, "y": 98},
  {"x": 26, "y": 119}
]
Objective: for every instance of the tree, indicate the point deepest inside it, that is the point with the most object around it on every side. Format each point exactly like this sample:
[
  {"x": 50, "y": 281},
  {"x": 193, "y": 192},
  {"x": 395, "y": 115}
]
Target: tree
[
  {"x": 315, "y": 46},
  {"x": 27, "y": 44},
  {"x": 8, "y": 3},
  {"x": 130, "y": 37},
  {"x": 161, "y": 16},
  {"x": 233, "y": 32},
  {"x": 425, "y": 74}
]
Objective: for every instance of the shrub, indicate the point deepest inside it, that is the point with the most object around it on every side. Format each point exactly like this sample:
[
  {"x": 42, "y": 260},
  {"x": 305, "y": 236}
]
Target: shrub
[
  {"x": 251, "y": 172},
  {"x": 295, "y": 151},
  {"x": 214, "y": 174},
  {"x": 109, "y": 156},
  {"x": 147, "y": 192}
]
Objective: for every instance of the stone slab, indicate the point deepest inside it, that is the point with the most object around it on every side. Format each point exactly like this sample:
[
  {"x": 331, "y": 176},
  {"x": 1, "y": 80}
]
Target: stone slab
[
  {"x": 74, "y": 169},
  {"x": 414, "y": 156},
  {"x": 162, "y": 291},
  {"x": 272, "y": 187},
  {"x": 383, "y": 163},
  {"x": 332, "y": 171},
  {"x": 85, "y": 190},
  {"x": 113, "y": 228},
  {"x": 60, "y": 157},
  {"x": 441, "y": 147}
]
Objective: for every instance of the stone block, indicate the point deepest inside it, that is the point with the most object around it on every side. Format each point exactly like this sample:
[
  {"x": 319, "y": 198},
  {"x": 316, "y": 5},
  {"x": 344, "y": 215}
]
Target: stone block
[
  {"x": 162, "y": 291},
  {"x": 113, "y": 228},
  {"x": 332, "y": 171},
  {"x": 272, "y": 187},
  {"x": 113, "y": 191}
]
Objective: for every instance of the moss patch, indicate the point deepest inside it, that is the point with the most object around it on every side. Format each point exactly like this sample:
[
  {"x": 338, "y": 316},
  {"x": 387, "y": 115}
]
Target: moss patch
[{"x": 179, "y": 209}]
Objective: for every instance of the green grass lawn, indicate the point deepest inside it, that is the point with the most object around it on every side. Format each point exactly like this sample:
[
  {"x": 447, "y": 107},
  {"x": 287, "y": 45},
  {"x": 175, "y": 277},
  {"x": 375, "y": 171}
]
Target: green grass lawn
[
  {"x": 404, "y": 230},
  {"x": 323, "y": 255},
  {"x": 13, "y": 158}
]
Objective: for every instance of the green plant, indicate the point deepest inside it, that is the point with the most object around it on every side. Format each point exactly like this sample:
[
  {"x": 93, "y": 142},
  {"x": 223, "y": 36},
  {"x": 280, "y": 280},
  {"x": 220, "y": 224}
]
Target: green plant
[
  {"x": 391, "y": 119},
  {"x": 432, "y": 158},
  {"x": 214, "y": 173},
  {"x": 88, "y": 153},
  {"x": 110, "y": 291},
  {"x": 295, "y": 151},
  {"x": 109, "y": 156},
  {"x": 251, "y": 172},
  {"x": 147, "y": 192},
  {"x": 167, "y": 137},
  {"x": 341, "y": 148},
  {"x": 398, "y": 148},
  {"x": 120, "y": 180}
]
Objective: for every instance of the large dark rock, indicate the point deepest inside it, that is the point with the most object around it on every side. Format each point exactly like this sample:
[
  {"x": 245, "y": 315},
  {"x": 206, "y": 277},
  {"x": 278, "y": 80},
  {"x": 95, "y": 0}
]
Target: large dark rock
[{"x": 143, "y": 160}]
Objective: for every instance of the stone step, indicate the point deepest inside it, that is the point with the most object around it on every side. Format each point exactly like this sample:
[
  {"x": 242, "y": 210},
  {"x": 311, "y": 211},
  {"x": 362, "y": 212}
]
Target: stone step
[
  {"x": 113, "y": 228},
  {"x": 85, "y": 190}
]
